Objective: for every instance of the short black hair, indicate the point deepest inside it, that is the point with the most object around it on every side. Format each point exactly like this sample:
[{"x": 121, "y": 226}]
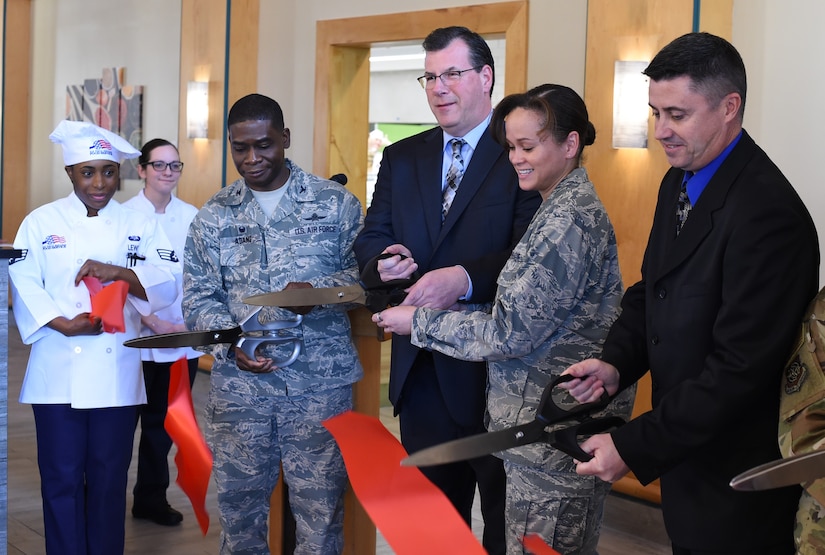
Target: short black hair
[
  {"x": 712, "y": 64},
  {"x": 256, "y": 107},
  {"x": 480, "y": 54}
]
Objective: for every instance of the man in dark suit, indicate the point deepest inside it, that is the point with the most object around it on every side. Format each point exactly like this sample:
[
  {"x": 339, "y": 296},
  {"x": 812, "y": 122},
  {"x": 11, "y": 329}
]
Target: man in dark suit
[
  {"x": 459, "y": 254},
  {"x": 713, "y": 317}
]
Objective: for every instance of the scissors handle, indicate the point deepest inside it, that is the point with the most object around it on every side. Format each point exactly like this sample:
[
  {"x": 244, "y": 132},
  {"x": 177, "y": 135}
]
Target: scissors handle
[
  {"x": 256, "y": 334},
  {"x": 550, "y": 413},
  {"x": 381, "y": 294},
  {"x": 249, "y": 344},
  {"x": 566, "y": 440}
]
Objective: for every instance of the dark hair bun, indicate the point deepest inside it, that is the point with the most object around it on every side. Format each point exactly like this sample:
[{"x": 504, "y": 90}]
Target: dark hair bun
[{"x": 589, "y": 135}]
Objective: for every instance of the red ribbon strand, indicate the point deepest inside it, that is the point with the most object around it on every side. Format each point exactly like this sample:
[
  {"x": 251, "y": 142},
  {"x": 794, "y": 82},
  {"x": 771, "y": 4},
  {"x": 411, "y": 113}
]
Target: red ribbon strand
[
  {"x": 414, "y": 516},
  {"x": 108, "y": 303},
  {"x": 193, "y": 459}
]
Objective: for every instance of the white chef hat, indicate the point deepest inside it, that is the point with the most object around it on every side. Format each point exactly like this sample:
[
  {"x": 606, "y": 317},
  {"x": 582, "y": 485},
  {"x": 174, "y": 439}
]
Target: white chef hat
[{"x": 83, "y": 141}]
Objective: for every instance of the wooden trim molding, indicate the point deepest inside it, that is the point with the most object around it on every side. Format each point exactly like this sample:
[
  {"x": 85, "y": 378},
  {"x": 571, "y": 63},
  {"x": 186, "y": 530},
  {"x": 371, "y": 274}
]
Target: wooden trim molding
[{"x": 16, "y": 80}]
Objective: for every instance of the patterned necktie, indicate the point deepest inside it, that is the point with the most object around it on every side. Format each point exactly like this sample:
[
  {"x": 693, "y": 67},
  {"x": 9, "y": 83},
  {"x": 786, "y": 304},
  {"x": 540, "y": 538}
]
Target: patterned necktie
[
  {"x": 453, "y": 179},
  {"x": 683, "y": 206}
]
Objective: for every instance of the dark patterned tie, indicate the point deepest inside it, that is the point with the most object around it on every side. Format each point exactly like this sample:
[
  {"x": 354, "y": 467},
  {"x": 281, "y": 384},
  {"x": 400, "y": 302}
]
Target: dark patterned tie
[
  {"x": 453, "y": 179},
  {"x": 683, "y": 207}
]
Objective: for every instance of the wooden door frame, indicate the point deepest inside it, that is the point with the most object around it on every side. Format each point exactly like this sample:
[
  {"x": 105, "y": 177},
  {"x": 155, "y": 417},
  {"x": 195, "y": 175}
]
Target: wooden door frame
[{"x": 342, "y": 73}]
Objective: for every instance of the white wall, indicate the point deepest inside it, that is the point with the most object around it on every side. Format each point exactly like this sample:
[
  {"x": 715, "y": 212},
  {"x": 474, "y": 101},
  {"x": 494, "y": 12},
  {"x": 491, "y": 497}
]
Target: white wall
[
  {"x": 782, "y": 43},
  {"x": 74, "y": 40}
]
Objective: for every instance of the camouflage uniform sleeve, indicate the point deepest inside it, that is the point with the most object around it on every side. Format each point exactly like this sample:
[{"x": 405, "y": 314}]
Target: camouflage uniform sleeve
[
  {"x": 205, "y": 302},
  {"x": 538, "y": 287}
]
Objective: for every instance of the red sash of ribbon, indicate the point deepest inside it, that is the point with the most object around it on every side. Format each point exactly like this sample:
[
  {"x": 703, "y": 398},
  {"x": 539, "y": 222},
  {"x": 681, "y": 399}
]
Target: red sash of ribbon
[
  {"x": 108, "y": 302},
  {"x": 193, "y": 459},
  {"x": 414, "y": 516},
  {"x": 535, "y": 545}
]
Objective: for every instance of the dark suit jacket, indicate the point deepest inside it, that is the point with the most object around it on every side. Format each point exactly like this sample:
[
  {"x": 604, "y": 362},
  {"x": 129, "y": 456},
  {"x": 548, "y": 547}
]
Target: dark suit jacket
[
  {"x": 487, "y": 218},
  {"x": 714, "y": 317}
]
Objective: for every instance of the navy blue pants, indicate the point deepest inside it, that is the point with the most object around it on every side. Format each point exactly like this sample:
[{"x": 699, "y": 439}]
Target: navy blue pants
[
  {"x": 153, "y": 449},
  {"x": 84, "y": 455}
]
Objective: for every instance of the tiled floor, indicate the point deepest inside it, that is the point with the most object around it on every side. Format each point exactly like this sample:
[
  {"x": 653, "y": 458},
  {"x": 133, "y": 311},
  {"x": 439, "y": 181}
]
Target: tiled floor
[{"x": 630, "y": 528}]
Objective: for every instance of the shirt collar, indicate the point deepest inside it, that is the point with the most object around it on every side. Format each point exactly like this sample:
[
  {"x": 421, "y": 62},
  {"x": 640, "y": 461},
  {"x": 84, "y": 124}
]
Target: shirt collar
[
  {"x": 701, "y": 178},
  {"x": 473, "y": 135}
]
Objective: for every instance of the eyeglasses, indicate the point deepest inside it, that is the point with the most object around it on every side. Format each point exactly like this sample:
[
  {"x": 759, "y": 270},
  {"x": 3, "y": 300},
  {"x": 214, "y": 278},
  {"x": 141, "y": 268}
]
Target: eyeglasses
[
  {"x": 160, "y": 166},
  {"x": 448, "y": 78}
]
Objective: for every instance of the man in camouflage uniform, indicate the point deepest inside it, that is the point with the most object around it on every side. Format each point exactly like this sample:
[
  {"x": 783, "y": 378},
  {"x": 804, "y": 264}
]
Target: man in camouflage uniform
[
  {"x": 802, "y": 411},
  {"x": 277, "y": 227}
]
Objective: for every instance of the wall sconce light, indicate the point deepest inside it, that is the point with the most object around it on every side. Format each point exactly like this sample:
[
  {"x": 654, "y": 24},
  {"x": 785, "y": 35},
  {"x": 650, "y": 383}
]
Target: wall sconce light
[
  {"x": 197, "y": 110},
  {"x": 630, "y": 108}
]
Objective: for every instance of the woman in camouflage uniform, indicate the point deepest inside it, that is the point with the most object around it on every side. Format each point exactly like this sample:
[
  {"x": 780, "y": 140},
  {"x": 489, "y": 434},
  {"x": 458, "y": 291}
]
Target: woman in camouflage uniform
[{"x": 557, "y": 296}]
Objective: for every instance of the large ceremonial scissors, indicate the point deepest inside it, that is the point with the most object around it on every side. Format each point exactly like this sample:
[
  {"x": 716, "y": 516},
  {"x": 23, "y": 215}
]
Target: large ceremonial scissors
[
  {"x": 251, "y": 333},
  {"x": 548, "y": 413},
  {"x": 370, "y": 291},
  {"x": 247, "y": 336},
  {"x": 798, "y": 469}
]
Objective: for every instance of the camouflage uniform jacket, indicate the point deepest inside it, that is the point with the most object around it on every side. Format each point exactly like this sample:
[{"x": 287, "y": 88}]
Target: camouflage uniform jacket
[
  {"x": 557, "y": 296},
  {"x": 233, "y": 250},
  {"x": 802, "y": 413}
]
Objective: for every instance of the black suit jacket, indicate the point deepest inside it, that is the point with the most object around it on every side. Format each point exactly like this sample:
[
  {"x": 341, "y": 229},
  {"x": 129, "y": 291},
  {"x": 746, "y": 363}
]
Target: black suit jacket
[
  {"x": 487, "y": 218},
  {"x": 714, "y": 317}
]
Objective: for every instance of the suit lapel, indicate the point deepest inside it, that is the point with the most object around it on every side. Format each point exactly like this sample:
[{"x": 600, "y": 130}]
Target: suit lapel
[
  {"x": 484, "y": 157},
  {"x": 700, "y": 221},
  {"x": 429, "y": 159}
]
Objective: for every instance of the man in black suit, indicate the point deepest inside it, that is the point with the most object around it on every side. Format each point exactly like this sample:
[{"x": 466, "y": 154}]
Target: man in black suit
[
  {"x": 459, "y": 254},
  {"x": 713, "y": 317}
]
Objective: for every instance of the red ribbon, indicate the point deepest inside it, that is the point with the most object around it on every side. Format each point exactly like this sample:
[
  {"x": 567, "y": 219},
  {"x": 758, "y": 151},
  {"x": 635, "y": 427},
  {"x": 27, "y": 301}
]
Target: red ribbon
[
  {"x": 193, "y": 459},
  {"x": 535, "y": 545},
  {"x": 108, "y": 302},
  {"x": 414, "y": 516}
]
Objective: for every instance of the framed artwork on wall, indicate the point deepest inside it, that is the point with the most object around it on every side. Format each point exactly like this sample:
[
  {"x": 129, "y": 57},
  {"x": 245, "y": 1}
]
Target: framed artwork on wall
[{"x": 109, "y": 103}]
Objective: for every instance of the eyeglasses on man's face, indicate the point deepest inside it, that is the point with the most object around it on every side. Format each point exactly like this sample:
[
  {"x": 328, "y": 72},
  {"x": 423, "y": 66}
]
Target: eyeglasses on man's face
[
  {"x": 160, "y": 166},
  {"x": 448, "y": 78}
]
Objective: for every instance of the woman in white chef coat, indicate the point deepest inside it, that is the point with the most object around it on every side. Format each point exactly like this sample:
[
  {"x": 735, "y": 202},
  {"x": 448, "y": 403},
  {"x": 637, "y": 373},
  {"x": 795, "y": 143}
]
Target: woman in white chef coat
[
  {"x": 83, "y": 384},
  {"x": 160, "y": 167}
]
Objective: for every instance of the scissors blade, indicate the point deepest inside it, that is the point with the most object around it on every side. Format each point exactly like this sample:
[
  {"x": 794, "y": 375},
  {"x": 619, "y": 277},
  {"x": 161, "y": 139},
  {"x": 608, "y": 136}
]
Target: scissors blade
[
  {"x": 310, "y": 296},
  {"x": 185, "y": 339},
  {"x": 477, "y": 445},
  {"x": 798, "y": 469}
]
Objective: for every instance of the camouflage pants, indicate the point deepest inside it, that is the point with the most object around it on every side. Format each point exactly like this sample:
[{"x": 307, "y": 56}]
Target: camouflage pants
[
  {"x": 250, "y": 437},
  {"x": 563, "y": 508},
  {"x": 809, "y": 532}
]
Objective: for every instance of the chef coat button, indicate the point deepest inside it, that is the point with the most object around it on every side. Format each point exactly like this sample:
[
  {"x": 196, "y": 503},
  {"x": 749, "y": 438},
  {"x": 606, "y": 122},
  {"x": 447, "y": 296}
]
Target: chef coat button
[
  {"x": 662, "y": 293},
  {"x": 654, "y": 340},
  {"x": 109, "y": 351},
  {"x": 77, "y": 305},
  {"x": 77, "y": 350},
  {"x": 108, "y": 222},
  {"x": 79, "y": 262}
]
